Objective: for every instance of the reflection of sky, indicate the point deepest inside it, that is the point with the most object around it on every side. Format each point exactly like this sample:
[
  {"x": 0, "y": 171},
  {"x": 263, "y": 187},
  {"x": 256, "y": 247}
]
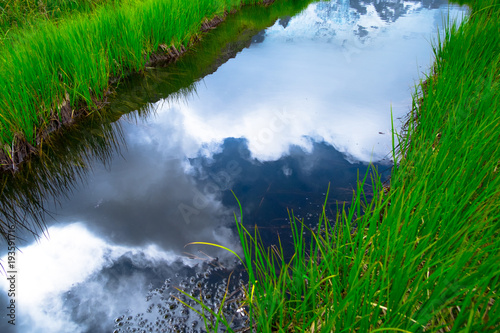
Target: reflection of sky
[
  {"x": 77, "y": 282},
  {"x": 256, "y": 126},
  {"x": 335, "y": 87}
]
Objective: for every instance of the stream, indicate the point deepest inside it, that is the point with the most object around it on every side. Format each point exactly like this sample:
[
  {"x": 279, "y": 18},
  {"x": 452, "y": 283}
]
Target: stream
[{"x": 274, "y": 105}]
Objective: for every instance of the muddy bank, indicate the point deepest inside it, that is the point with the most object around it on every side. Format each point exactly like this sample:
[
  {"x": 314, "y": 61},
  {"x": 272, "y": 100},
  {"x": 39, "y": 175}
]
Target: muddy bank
[{"x": 12, "y": 157}]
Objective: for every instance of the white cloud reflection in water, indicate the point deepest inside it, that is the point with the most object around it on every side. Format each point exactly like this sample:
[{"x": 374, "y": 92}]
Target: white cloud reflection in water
[
  {"x": 77, "y": 282},
  {"x": 316, "y": 78}
]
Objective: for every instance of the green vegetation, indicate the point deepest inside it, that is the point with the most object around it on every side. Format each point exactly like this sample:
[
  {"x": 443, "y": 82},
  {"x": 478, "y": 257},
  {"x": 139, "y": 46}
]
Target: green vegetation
[
  {"x": 424, "y": 254},
  {"x": 70, "y": 61},
  {"x": 17, "y": 14}
]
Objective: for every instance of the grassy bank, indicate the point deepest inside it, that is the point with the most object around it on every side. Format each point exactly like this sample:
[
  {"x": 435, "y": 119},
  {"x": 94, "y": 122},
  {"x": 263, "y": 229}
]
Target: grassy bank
[
  {"x": 424, "y": 254},
  {"x": 54, "y": 69}
]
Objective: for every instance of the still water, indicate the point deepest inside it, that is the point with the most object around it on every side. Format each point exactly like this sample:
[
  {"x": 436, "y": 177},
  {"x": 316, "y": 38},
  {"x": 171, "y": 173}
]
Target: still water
[{"x": 274, "y": 115}]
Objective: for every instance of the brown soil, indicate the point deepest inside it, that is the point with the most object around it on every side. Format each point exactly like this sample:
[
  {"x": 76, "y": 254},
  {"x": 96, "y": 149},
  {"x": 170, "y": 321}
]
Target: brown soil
[{"x": 66, "y": 115}]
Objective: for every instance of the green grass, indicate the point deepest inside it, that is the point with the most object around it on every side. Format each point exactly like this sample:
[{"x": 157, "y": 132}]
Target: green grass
[
  {"x": 76, "y": 56},
  {"x": 423, "y": 255},
  {"x": 19, "y": 14}
]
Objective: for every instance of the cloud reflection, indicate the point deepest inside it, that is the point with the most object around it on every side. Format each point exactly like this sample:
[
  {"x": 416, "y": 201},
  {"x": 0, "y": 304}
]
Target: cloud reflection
[
  {"x": 76, "y": 282},
  {"x": 334, "y": 86},
  {"x": 136, "y": 202}
]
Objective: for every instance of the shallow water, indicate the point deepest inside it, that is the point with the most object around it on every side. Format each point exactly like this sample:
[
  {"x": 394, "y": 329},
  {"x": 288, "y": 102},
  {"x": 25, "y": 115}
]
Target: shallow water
[{"x": 303, "y": 103}]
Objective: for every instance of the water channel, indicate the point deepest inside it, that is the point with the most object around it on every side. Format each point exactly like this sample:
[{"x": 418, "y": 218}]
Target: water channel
[{"x": 275, "y": 104}]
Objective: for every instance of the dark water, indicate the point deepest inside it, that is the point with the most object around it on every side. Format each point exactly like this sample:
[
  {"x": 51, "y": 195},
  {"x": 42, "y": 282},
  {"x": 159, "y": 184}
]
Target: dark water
[{"x": 274, "y": 115}]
